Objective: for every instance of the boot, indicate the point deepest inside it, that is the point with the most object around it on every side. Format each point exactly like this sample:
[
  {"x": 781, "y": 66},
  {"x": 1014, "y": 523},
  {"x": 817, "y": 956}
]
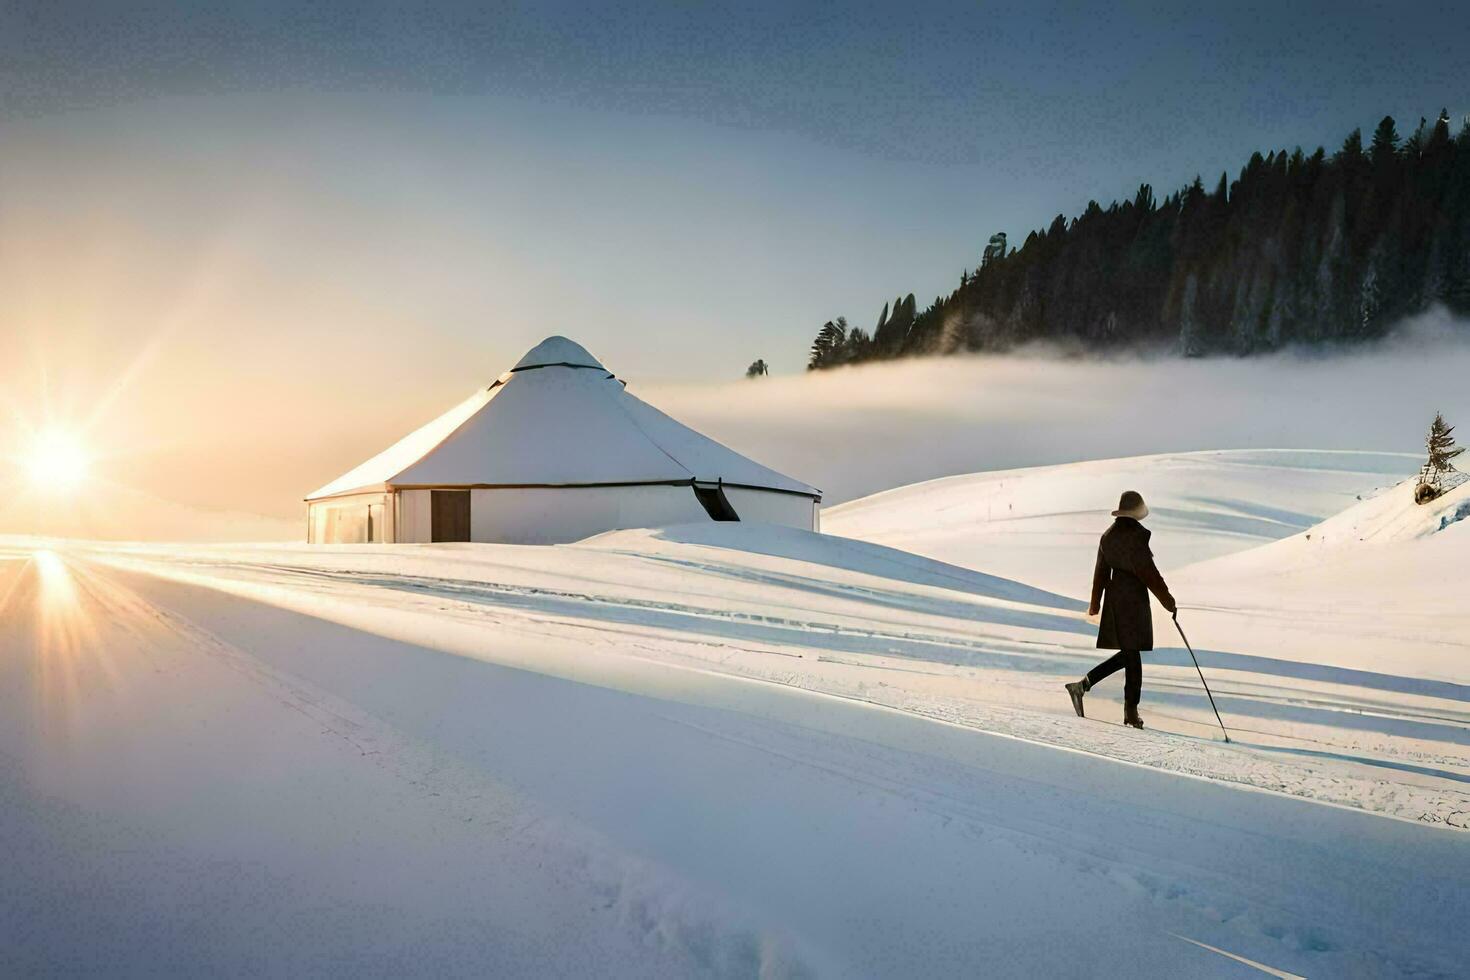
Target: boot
[
  {"x": 1130, "y": 716},
  {"x": 1075, "y": 690}
]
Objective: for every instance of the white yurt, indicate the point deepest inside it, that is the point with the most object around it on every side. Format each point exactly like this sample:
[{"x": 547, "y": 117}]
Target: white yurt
[{"x": 555, "y": 450}]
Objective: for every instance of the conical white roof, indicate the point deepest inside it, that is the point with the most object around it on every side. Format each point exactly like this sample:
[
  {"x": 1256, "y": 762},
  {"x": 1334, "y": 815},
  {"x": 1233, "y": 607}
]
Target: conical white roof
[
  {"x": 557, "y": 351},
  {"x": 558, "y": 418}
]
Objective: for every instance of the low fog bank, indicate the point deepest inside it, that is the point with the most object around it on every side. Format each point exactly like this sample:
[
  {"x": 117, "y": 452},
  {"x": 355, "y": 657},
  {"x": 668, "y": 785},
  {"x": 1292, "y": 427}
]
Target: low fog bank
[
  {"x": 113, "y": 512},
  {"x": 855, "y": 431}
]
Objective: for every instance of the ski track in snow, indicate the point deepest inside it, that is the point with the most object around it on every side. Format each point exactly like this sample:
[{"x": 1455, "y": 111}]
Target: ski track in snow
[
  {"x": 736, "y": 750},
  {"x": 850, "y": 656},
  {"x": 644, "y": 920},
  {"x": 820, "y": 870}
]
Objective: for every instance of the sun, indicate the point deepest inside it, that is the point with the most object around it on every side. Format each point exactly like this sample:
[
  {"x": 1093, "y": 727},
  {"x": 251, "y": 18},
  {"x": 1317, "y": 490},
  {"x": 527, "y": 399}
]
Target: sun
[{"x": 58, "y": 460}]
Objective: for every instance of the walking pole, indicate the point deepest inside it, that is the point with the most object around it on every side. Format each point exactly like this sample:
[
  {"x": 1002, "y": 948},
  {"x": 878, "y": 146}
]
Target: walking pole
[{"x": 1201, "y": 674}]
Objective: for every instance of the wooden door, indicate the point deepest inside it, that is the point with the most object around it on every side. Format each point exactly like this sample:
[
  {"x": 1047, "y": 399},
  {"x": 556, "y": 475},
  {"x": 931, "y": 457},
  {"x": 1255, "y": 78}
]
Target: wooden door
[{"x": 449, "y": 515}]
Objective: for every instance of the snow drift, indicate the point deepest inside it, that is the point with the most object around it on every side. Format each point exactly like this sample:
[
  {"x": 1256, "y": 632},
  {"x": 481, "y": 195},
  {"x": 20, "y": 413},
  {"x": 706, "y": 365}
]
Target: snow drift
[
  {"x": 1041, "y": 524},
  {"x": 738, "y": 750}
]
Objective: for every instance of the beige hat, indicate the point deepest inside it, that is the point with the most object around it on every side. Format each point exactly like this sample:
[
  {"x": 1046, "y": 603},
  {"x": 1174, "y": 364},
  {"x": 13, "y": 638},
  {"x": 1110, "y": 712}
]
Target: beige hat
[{"x": 1131, "y": 505}]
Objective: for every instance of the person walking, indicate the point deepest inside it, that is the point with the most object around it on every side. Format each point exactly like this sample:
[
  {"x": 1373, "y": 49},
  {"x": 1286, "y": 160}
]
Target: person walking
[{"x": 1121, "y": 580}]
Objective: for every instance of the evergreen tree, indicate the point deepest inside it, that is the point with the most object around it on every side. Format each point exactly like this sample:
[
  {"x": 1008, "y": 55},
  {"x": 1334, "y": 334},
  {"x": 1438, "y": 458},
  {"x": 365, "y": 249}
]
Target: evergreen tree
[
  {"x": 1299, "y": 248},
  {"x": 1414, "y": 146},
  {"x": 891, "y": 334},
  {"x": 1439, "y": 136},
  {"x": 1442, "y": 451},
  {"x": 1385, "y": 145},
  {"x": 758, "y": 369},
  {"x": 1440, "y": 444},
  {"x": 994, "y": 250},
  {"x": 827, "y": 349}
]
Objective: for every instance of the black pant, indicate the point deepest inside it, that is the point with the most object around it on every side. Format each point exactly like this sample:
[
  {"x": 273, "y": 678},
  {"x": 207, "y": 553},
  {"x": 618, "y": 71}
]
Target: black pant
[{"x": 1132, "y": 666}]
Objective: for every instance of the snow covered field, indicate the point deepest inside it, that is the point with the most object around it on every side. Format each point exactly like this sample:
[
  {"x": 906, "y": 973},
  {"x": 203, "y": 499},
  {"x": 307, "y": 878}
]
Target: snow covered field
[
  {"x": 1041, "y": 524},
  {"x": 739, "y": 750}
]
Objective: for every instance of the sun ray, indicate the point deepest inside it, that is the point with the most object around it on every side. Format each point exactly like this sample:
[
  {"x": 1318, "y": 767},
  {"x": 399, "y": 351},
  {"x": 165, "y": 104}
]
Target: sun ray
[
  {"x": 55, "y": 443},
  {"x": 64, "y": 636},
  {"x": 211, "y": 270}
]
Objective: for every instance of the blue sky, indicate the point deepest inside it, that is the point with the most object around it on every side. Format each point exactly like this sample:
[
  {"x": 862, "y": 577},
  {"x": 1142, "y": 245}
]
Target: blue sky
[
  {"x": 691, "y": 185},
  {"x": 346, "y": 216}
]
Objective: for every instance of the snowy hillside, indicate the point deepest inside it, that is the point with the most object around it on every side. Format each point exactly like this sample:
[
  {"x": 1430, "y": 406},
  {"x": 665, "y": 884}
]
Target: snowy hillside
[
  {"x": 1314, "y": 589},
  {"x": 1041, "y": 524},
  {"x": 728, "y": 749},
  {"x": 1379, "y": 587},
  {"x": 1384, "y": 517}
]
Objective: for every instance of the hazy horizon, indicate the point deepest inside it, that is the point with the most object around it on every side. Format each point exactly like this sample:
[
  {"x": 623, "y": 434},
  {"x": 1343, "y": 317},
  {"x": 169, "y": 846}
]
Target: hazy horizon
[
  {"x": 860, "y": 430},
  {"x": 242, "y": 248}
]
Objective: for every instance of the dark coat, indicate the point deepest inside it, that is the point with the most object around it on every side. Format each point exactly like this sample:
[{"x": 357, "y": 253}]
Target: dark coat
[{"x": 1122, "y": 580}]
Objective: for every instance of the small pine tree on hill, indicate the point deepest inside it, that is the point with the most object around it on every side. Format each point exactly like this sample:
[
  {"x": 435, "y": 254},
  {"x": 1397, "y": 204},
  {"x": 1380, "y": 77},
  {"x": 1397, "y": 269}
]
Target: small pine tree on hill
[
  {"x": 758, "y": 369},
  {"x": 1439, "y": 467}
]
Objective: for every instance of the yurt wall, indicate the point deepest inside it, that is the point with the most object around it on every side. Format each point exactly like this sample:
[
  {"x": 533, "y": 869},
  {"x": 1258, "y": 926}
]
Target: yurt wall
[
  {"x": 555, "y": 515},
  {"x": 414, "y": 516},
  {"x": 357, "y": 519},
  {"x": 770, "y": 507}
]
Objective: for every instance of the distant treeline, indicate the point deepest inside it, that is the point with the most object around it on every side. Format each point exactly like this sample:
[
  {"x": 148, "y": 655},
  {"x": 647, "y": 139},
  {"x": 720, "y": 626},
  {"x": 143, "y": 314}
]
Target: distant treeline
[{"x": 1301, "y": 249}]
